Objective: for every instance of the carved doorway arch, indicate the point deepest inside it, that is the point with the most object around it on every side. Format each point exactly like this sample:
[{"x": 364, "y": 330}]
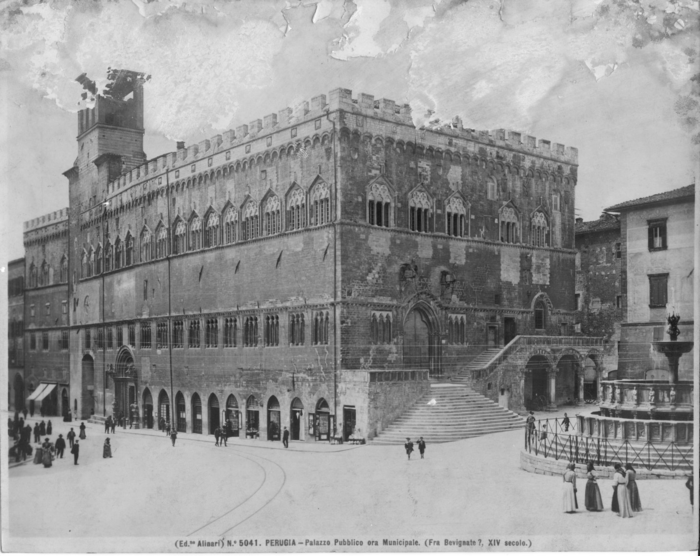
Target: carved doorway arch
[{"x": 421, "y": 339}]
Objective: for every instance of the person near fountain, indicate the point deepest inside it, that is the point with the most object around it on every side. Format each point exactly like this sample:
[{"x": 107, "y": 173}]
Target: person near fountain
[
  {"x": 593, "y": 500},
  {"x": 570, "y": 502},
  {"x": 633, "y": 491},
  {"x": 689, "y": 486},
  {"x": 621, "y": 500}
]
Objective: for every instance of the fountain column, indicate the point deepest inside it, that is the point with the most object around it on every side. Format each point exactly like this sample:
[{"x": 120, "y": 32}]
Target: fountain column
[{"x": 552, "y": 375}]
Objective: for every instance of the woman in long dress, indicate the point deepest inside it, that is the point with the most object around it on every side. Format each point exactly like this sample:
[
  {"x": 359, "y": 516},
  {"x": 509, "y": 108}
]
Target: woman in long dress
[
  {"x": 82, "y": 431},
  {"x": 633, "y": 491},
  {"x": 46, "y": 456},
  {"x": 570, "y": 503},
  {"x": 620, "y": 486},
  {"x": 49, "y": 428},
  {"x": 594, "y": 501},
  {"x": 42, "y": 428},
  {"x": 107, "y": 450}
]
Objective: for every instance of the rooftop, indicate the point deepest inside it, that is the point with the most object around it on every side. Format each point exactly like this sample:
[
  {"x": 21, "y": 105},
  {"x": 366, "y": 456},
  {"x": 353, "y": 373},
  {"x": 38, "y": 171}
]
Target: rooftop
[
  {"x": 604, "y": 223},
  {"x": 667, "y": 197}
]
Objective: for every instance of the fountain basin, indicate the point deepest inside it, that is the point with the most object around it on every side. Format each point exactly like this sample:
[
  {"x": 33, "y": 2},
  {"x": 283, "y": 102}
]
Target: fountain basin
[{"x": 673, "y": 351}]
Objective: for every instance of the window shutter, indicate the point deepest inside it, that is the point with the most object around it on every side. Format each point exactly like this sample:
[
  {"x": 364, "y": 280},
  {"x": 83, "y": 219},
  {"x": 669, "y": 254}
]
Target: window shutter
[
  {"x": 651, "y": 237},
  {"x": 662, "y": 232}
]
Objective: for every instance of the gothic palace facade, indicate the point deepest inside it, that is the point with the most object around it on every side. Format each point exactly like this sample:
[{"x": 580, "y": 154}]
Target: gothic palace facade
[{"x": 315, "y": 267}]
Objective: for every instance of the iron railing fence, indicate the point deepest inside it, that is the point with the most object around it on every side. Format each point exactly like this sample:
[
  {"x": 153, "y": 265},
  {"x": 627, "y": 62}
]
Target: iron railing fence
[{"x": 550, "y": 440}]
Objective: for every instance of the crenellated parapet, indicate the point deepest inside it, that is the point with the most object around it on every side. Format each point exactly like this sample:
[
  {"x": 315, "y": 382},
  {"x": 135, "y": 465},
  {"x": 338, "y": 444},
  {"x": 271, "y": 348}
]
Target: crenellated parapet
[{"x": 44, "y": 228}]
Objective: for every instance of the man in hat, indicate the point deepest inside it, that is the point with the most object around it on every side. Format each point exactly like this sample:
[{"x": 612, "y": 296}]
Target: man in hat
[
  {"x": 285, "y": 438},
  {"x": 409, "y": 447},
  {"x": 421, "y": 447},
  {"x": 75, "y": 450},
  {"x": 60, "y": 446},
  {"x": 71, "y": 437}
]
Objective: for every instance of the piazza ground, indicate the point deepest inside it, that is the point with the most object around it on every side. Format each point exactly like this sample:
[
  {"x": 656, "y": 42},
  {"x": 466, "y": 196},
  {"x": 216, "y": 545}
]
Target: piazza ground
[{"x": 151, "y": 494}]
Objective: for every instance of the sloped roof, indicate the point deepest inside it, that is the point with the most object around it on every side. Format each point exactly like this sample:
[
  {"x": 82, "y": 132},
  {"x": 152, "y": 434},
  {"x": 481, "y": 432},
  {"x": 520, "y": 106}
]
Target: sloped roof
[
  {"x": 604, "y": 223},
  {"x": 667, "y": 197}
]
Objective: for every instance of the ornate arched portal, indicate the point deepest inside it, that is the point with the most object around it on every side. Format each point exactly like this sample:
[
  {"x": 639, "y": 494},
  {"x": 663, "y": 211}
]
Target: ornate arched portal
[
  {"x": 87, "y": 394},
  {"x": 125, "y": 379},
  {"x": 421, "y": 339}
]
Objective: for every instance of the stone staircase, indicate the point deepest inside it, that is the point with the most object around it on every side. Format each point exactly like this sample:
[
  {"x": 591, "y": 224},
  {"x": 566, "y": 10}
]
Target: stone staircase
[
  {"x": 457, "y": 412},
  {"x": 478, "y": 362}
]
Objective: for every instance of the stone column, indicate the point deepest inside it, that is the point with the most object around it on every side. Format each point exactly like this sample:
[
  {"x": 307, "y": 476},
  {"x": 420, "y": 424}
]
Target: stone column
[
  {"x": 581, "y": 383},
  {"x": 552, "y": 376}
]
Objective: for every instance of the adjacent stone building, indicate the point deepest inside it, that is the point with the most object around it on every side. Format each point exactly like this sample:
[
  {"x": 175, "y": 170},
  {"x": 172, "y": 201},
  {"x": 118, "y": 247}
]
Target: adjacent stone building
[
  {"x": 15, "y": 334},
  {"x": 658, "y": 252},
  {"x": 313, "y": 269}
]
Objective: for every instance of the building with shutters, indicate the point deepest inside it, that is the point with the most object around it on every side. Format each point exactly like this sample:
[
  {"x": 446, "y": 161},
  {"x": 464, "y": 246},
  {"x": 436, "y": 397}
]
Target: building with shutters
[
  {"x": 315, "y": 269},
  {"x": 658, "y": 251}
]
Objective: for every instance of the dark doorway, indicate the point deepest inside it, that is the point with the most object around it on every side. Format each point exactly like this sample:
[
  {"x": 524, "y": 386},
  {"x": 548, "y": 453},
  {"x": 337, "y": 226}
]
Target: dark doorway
[
  {"x": 536, "y": 393},
  {"x": 421, "y": 342},
  {"x": 214, "y": 420},
  {"x": 147, "y": 409},
  {"x": 196, "y": 414},
  {"x": 87, "y": 400},
  {"x": 163, "y": 406},
  {"x": 65, "y": 402},
  {"x": 273, "y": 419},
  {"x": 323, "y": 420},
  {"x": 295, "y": 419},
  {"x": 510, "y": 330},
  {"x": 181, "y": 412},
  {"x": 349, "y": 421},
  {"x": 233, "y": 416},
  {"x": 252, "y": 417},
  {"x": 492, "y": 338}
]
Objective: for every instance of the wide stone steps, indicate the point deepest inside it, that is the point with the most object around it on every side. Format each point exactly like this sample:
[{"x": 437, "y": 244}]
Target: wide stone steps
[
  {"x": 455, "y": 412},
  {"x": 482, "y": 359}
]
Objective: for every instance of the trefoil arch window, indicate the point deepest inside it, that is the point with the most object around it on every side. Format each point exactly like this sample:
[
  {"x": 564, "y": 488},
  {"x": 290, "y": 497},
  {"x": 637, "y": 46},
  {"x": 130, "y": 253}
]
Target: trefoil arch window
[
  {"x": 230, "y": 225},
  {"x": 212, "y": 333},
  {"x": 63, "y": 274},
  {"x": 251, "y": 220},
  {"x": 195, "y": 233},
  {"x": 211, "y": 234},
  {"x": 380, "y": 328},
  {"x": 296, "y": 329},
  {"x": 146, "y": 245},
  {"x": 320, "y": 204},
  {"x": 230, "y": 332},
  {"x": 379, "y": 205},
  {"x": 510, "y": 225},
  {"x": 250, "y": 332},
  {"x": 179, "y": 238},
  {"x": 320, "y": 324},
  {"x": 272, "y": 330},
  {"x": 539, "y": 230},
  {"x": 296, "y": 210},
  {"x": 109, "y": 252},
  {"x": 161, "y": 242},
  {"x": 129, "y": 250},
  {"x": 456, "y": 329},
  {"x": 98, "y": 259},
  {"x": 85, "y": 266},
  {"x": 45, "y": 273},
  {"x": 32, "y": 276},
  {"x": 194, "y": 340},
  {"x": 420, "y": 214},
  {"x": 272, "y": 215},
  {"x": 456, "y": 217}
]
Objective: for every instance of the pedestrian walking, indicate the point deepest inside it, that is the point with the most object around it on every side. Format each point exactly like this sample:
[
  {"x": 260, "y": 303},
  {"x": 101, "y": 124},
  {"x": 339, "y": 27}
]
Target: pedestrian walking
[
  {"x": 47, "y": 456},
  {"x": 409, "y": 447},
  {"x": 621, "y": 500},
  {"x": 107, "y": 449},
  {"x": 566, "y": 423},
  {"x": 37, "y": 437},
  {"x": 82, "y": 431},
  {"x": 42, "y": 429},
  {"x": 41, "y": 410},
  {"x": 223, "y": 439},
  {"x": 633, "y": 491},
  {"x": 421, "y": 447},
  {"x": 60, "y": 446},
  {"x": 689, "y": 486},
  {"x": 108, "y": 424},
  {"x": 285, "y": 437},
  {"x": 167, "y": 428},
  {"x": 593, "y": 500},
  {"x": 570, "y": 502},
  {"x": 112, "y": 423},
  {"x": 75, "y": 450},
  {"x": 173, "y": 436},
  {"x": 530, "y": 425},
  {"x": 49, "y": 428},
  {"x": 24, "y": 412},
  {"x": 217, "y": 435},
  {"x": 31, "y": 409},
  {"x": 71, "y": 437},
  {"x": 161, "y": 424}
]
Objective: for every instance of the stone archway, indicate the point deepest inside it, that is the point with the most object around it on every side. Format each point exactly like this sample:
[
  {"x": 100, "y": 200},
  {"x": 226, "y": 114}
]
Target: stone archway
[
  {"x": 87, "y": 394},
  {"x": 125, "y": 383},
  {"x": 569, "y": 383},
  {"x": 536, "y": 394},
  {"x": 421, "y": 339}
]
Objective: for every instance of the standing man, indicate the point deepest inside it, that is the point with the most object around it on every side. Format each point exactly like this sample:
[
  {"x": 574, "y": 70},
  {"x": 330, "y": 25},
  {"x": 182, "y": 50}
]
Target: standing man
[
  {"x": 112, "y": 422},
  {"x": 530, "y": 424},
  {"x": 285, "y": 438},
  {"x": 75, "y": 450},
  {"x": 409, "y": 447},
  {"x": 217, "y": 435},
  {"x": 566, "y": 423},
  {"x": 60, "y": 446},
  {"x": 71, "y": 438},
  {"x": 167, "y": 429},
  {"x": 108, "y": 423},
  {"x": 421, "y": 447},
  {"x": 173, "y": 436},
  {"x": 37, "y": 436},
  {"x": 24, "y": 412},
  {"x": 223, "y": 438}
]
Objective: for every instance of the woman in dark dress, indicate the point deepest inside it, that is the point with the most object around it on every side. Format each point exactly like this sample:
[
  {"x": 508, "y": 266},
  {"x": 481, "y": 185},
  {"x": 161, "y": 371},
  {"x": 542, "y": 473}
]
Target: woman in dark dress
[
  {"x": 107, "y": 449},
  {"x": 615, "y": 506},
  {"x": 42, "y": 428},
  {"x": 82, "y": 431},
  {"x": 46, "y": 455},
  {"x": 635, "y": 501},
  {"x": 49, "y": 428},
  {"x": 594, "y": 501}
]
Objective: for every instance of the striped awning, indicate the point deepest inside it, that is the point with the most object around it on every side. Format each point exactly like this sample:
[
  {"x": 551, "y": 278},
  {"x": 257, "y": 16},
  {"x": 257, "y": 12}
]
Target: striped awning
[
  {"x": 45, "y": 392},
  {"x": 39, "y": 389}
]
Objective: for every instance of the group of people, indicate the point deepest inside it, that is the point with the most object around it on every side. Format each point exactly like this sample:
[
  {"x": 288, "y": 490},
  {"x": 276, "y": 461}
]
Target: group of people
[
  {"x": 409, "y": 447},
  {"x": 625, "y": 500}
]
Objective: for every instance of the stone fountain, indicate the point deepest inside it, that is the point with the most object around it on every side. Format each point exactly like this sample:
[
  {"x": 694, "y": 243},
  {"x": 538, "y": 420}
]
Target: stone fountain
[{"x": 673, "y": 349}]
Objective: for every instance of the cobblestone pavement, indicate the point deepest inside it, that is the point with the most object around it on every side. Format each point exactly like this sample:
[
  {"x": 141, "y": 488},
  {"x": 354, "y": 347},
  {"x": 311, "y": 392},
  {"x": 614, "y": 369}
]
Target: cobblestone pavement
[{"x": 151, "y": 494}]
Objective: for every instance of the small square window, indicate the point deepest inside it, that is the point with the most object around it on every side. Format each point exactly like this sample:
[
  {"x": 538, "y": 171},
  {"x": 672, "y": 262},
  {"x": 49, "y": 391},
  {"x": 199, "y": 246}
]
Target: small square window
[
  {"x": 228, "y": 155},
  {"x": 268, "y": 141},
  {"x": 618, "y": 302},
  {"x": 193, "y": 168},
  {"x": 177, "y": 174},
  {"x": 210, "y": 162},
  {"x": 247, "y": 148},
  {"x": 317, "y": 124},
  {"x": 294, "y": 132},
  {"x": 263, "y": 174}
]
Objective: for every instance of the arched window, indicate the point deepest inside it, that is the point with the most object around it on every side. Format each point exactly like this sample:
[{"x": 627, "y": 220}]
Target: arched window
[
  {"x": 230, "y": 225},
  {"x": 45, "y": 272},
  {"x": 320, "y": 204},
  {"x": 32, "y": 276},
  {"x": 510, "y": 225},
  {"x": 250, "y": 332},
  {"x": 456, "y": 329},
  {"x": 251, "y": 217},
  {"x": 84, "y": 265},
  {"x": 195, "y": 233},
  {"x": 129, "y": 260},
  {"x": 456, "y": 217},
  {"x": 272, "y": 216},
  {"x": 272, "y": 330},
  {"x": 379, "y": 205},
  {"x": 118, "y": 253},
  {"x": 491, "y": 189},
  {"x": 63, "y": 276},
  {"x": 98, "y": 259},
  {"x": 540, "y": 315},
  {"x": 230, "y": 331},
  {"x": 296, "y": 210},
  {"x": 161, "y": 241},
  {"x": 539, "y": 230},
  {"x": 420, "y": 213},
  {"x": 380, "y": 328},
  {"x": 179, "y": 238},
  {"x": 296, "y": 329},
  {"x": 211, "y": 234},
  {"x": 108, "y": 257},
  {"x": 320, "y": 332},
  {"x": 145, "y": 245}
]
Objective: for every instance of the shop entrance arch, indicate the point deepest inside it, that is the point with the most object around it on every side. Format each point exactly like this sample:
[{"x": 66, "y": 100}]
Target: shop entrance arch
[
  {"x": 296, "y": 419},
  {"x": 147, "y": 409},
  {"x": 233, "y": 416},
  {"x": 214, "y": 419},
  {"x": 273, "y": 419}
]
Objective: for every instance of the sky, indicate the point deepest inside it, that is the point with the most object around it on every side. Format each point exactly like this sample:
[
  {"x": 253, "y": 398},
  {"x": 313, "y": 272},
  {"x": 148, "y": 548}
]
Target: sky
[{"x": 613, "y": 78}]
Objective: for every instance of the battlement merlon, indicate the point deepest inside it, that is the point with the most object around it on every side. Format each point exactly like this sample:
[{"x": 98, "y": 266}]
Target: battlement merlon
[
  {"x": 364, "y": 104},
  {"x": 49, "y": 219}
]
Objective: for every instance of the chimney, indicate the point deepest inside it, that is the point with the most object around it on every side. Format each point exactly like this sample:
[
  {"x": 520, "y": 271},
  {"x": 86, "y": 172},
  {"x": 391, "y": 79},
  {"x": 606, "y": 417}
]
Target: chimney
[
  {"x": 180, "y": 145},
  {"x": 579, "y": 220}
]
